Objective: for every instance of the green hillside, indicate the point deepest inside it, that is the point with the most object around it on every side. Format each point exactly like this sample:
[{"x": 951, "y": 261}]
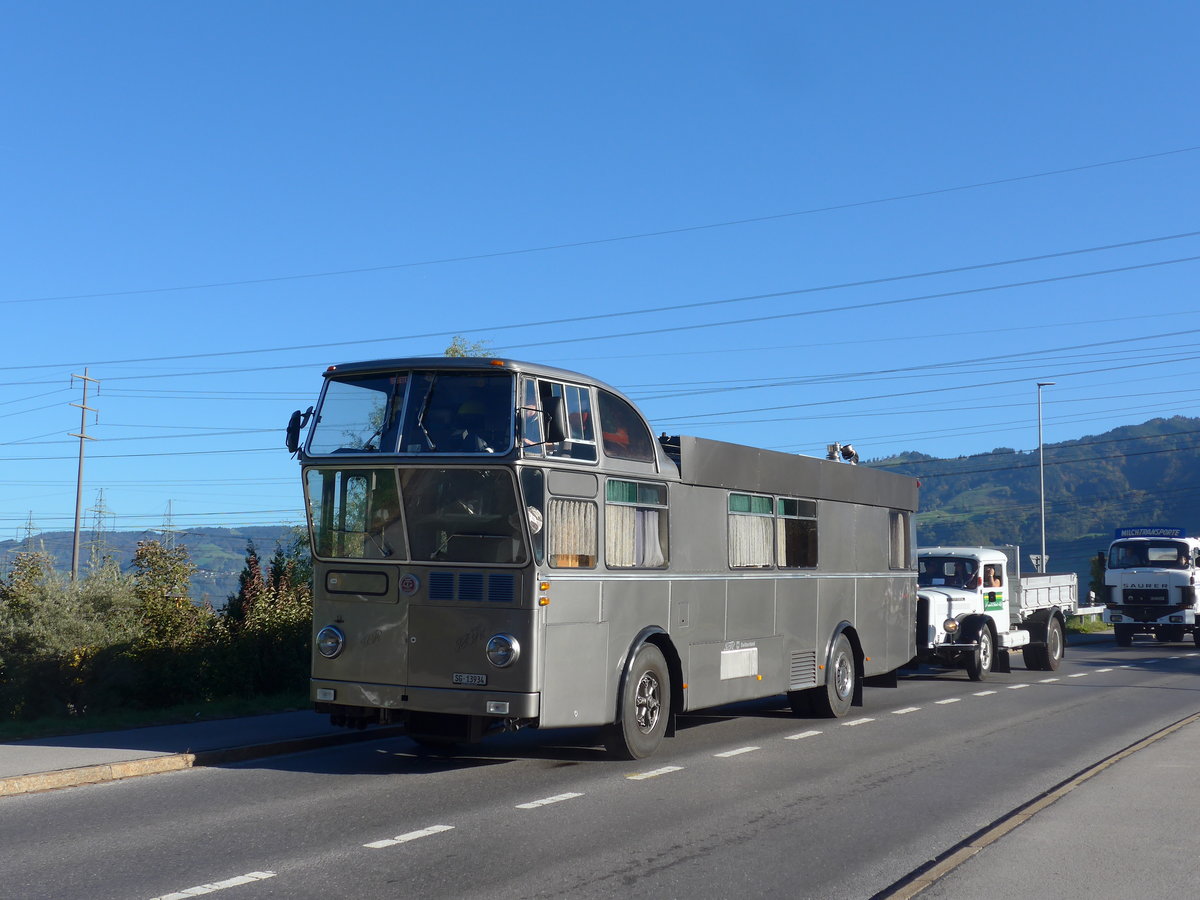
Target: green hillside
[{"x": 1146, "y": 474}]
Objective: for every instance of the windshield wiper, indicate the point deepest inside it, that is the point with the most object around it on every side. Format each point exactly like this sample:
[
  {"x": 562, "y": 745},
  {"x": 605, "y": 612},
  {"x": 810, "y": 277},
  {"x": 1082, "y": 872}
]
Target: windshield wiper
[{"x": 425, "y": 409}]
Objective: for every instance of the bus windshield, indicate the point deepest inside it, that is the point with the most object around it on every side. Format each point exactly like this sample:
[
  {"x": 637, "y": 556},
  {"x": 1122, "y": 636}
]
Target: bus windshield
[
  {"x": 427, "y": 514},
  {"x": 416, "y": 412},
  {"x": 1144, "y": 554}
]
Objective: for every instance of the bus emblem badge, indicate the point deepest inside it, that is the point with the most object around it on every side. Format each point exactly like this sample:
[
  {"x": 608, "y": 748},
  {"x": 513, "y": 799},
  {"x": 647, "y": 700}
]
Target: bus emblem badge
[{"x": 409, "y": 584}]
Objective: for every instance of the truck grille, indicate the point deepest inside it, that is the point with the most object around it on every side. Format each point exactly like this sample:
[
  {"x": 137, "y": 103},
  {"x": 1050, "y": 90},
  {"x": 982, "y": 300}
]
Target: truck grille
[{"x": 1138, "y": 595}]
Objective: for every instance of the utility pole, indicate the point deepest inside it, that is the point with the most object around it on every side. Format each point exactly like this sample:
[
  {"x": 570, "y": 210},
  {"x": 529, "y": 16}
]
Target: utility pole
[
  {"x": 84, "y": 409},
  {"x": 1041, "y": 566}
]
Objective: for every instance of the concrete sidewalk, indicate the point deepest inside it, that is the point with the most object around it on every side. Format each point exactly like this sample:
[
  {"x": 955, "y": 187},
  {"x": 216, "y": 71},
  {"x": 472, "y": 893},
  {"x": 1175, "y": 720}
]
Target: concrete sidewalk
[
  {"x": 48, "y": 763},
  {"x": 1122, "y": 829}
]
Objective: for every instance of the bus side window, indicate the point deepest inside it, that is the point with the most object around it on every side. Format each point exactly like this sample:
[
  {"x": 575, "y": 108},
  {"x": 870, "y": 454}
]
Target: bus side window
[
  {"x": 622, "y": 430},
  {"x": 635, "y": 524},
  {"x": 572, "y": 533}
]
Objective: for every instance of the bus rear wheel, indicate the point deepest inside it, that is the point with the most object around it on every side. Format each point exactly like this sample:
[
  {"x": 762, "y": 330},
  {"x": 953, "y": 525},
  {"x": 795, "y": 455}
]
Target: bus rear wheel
[
  {"x": 645, "y": 705},
  {"x": 834, "y": 699}
]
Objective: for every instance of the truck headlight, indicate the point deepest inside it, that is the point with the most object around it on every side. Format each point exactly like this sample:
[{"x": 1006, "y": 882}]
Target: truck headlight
[
  {"x": 330, "y": 641},
  {"x": 950, "y": 626},
  {"x": 502, "y": 650}
]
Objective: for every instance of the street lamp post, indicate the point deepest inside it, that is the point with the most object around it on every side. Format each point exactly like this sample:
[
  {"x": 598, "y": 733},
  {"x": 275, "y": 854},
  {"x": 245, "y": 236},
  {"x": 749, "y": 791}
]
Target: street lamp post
[{"x": 1042, "y": 474}]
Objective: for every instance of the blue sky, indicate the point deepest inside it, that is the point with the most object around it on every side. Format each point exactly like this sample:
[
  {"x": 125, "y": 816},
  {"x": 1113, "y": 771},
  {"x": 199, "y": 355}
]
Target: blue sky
[{"x": 730, "y": 211}]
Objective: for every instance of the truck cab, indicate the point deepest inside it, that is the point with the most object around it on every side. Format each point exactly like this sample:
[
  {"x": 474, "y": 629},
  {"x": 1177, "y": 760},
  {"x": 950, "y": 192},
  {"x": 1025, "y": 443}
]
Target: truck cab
[{"x": 1150, "y": 579}]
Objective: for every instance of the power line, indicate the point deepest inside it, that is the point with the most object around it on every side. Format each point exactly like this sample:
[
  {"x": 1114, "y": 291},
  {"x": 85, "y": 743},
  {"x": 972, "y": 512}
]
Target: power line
[
  {"x": 661, "y": 309},
  {"x": 609, "y": 240}
]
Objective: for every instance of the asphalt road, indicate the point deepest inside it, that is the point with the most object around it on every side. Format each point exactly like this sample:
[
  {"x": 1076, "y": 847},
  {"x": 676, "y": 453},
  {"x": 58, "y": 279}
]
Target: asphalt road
[{"x": 746, "y": 800}]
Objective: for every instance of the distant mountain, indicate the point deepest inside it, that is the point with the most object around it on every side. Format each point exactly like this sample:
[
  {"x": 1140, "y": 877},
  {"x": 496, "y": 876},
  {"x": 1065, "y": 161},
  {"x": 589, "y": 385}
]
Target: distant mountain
[
  {"x": 219, "y": 553},
  {"x": 1146, "y": 474}
]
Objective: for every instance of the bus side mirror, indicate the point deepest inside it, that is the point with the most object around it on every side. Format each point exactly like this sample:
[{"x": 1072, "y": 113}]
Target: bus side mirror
[
  {"x": 295, "y": 424},
  {"x": 556, "y": 429}
]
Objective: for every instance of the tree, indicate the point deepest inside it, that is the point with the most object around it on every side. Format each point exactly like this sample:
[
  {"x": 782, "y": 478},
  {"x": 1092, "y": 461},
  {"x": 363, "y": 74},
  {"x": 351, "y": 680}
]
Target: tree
[{"x": 460, "y": 347}]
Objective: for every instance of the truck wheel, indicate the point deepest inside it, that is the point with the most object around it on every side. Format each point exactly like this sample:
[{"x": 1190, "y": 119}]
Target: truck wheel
[
  {"x": 645, "y": 704},
  {"x": 1051, "y": 653},
  {"x": 1124, "y": 635},
  {"x": 1196, "y": 637},
  {"x": 979, "y": 663},
  {"x": 1171, "y": 633},
  {"x": 834, "y": 699}
]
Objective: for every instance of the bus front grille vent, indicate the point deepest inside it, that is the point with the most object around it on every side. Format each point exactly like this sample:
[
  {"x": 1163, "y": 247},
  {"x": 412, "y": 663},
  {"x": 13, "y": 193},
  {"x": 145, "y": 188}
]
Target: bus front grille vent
[
  {"x": 804, "y": 668},
  {"x": 470, "y": 586},
  {"x": 441, "y": 585},
  {"x": 473, "y": 587},
  {"x": 502, "y": 588}
]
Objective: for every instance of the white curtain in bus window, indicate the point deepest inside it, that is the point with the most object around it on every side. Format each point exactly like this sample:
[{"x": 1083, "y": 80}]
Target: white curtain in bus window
[
  {"x": 751, "y": 543},
  {"x": 572, "y": 534},
  {"x": 796, "y": 530},
  {"x": 899, "y": 555},
  {"x": 635, "y": 524}
]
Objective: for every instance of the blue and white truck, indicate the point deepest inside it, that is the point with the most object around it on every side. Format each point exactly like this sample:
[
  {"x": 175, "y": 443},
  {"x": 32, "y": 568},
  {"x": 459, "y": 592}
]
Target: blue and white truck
[{"x": 1150, "y": 580}]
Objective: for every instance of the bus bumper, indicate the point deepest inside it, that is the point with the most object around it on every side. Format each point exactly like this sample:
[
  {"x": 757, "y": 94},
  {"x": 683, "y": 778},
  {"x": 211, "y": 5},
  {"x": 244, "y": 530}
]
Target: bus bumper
[{"x": 450, "y": 701}]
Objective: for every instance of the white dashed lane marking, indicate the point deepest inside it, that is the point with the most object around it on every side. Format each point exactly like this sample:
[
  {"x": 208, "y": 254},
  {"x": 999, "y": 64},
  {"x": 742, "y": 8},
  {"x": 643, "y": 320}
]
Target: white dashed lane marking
[
  {"x": 738, "y": 752},
  {"x": 947, "y": 700},
  {"x": 984, "y": 693},
  {"x": 557, "y": 798},
  {"x": 905, "y": 711},
  {"x": 665, "y": 770},
  {"x": 410, "y": 836},
  {"x": 801, "y": 735},
  {"x": 201, "y": 889}
]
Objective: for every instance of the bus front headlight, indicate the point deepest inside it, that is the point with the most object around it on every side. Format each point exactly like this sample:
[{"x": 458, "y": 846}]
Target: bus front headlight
[
  {"x": 330, "y": 641},
  {"x": 502, "y": 650}
]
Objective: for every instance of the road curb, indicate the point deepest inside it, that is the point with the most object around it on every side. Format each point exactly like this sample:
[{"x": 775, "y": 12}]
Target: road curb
[{"x": 174, "y": 762}]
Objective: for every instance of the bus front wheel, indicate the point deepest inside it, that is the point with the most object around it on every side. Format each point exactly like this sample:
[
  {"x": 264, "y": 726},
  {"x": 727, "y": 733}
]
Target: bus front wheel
[{"x": 645, "y": 705}]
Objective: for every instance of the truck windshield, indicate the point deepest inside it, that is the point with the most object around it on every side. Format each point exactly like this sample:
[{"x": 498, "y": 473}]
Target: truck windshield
[
  {"x": 427, "y": 514},
  {"x": 1149, "y": 554},
  {"x": 423, "y": 412},
  {"x": 950, "y": 571}
]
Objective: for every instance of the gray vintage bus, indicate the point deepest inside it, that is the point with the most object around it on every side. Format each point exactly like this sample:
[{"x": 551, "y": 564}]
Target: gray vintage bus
[{"x": 498, "y": 544}]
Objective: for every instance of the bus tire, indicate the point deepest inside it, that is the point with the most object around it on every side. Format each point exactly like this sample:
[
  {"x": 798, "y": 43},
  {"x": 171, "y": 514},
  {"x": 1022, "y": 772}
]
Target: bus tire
[
  {"x": 979, "y": 662},
  {"x": 834, "y": 699},
  {"x": 645, "y": 707}
]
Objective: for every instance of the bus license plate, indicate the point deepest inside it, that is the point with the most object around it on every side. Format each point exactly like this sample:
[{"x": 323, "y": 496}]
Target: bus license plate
[{"x": 466, "y": 678}]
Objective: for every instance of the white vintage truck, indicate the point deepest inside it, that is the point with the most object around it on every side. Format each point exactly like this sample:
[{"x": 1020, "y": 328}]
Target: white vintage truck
[
  {"x": 974, "y": 606},
  {"x": 1150, "y": 577}
]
